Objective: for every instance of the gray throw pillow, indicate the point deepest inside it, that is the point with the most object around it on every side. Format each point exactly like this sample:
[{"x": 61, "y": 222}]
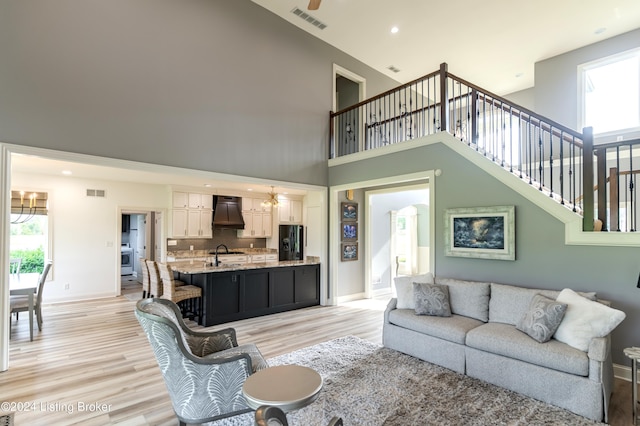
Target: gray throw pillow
[
  {"x": 542, "y": 318},
  {"x": 431, "y": 299}
]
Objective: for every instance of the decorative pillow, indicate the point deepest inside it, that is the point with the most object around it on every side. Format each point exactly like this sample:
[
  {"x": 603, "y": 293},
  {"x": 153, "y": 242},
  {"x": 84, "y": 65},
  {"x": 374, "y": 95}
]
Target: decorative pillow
[
  {"x": 431, "y": 299},
  {"x": 404, "y": 289},
  {"x": 584, "y": 320},
  {"x": 542, "y": 318}
]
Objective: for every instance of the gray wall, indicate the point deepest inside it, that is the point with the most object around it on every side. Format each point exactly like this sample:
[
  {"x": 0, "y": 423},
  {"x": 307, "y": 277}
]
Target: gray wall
[
  {"x": 352, "y": 272},
  {"x": 214, "y": 85},
  {"x": 556, "y": 79},
  {"x": 542, "y": 258}
]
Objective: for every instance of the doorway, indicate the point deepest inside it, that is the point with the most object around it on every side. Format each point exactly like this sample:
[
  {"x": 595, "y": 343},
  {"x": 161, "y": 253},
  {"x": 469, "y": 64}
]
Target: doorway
[
  {"x": 398, "y": 236},
  {"x": 348, "y": 89},
  {"x": 139, "y": 238}
]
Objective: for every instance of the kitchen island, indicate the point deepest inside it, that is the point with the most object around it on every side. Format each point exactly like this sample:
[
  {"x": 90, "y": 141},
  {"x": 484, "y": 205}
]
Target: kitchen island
[{"x": 239, "y": 291}]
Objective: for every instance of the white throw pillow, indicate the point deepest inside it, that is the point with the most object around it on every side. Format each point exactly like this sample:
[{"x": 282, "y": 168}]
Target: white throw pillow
[
  {"x": 404, "y": 289},
  {"x": 584, "y": 320}
]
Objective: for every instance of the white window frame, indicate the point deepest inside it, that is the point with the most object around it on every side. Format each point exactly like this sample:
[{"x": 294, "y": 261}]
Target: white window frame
[{"x": 582, "y": 68}]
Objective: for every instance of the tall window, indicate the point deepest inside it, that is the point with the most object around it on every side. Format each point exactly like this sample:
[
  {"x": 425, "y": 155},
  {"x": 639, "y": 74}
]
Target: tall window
[
  {"x": 29, "y": 233},
  {"x": 610, "y": 93}
]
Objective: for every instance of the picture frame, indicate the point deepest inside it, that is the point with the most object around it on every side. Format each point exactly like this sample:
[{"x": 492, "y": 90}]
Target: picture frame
[
  {"x": 349, "y": 251},
  {"x": 349, "y": 231},
  {"x": 481, "y": 232},
  {"x": 349, "y": 212}
]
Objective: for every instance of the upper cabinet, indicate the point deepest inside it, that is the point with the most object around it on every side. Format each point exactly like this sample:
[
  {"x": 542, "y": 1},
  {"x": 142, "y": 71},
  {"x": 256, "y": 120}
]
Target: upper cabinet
[
  {"x": 257, "y": 219},
  {"x": 290, "y": 211},
  {"x": 192, "y": 215}
]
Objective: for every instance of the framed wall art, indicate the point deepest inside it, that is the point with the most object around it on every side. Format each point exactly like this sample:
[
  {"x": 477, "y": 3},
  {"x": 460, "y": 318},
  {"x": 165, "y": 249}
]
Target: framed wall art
[
  {"x": 349, "y": 231},
  {"x": 481, "y": 232},
  {"x": 349, "y": 251},
  {"x": 349, "y": 212}
]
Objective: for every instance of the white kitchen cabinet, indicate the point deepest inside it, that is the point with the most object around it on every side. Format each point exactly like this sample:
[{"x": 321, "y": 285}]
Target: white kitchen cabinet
[
  {"x": 199, "y": 223},
  {"x": 180, "y": 200},
  {"x": 192, "y": 215},
  {"x": 254, "y": 205},
  {"x": 290, "y": 211},
  {"x": 200, "y": 201},
  {"x": 179, "y": 223},
  {"x": 256, "y": 225}
]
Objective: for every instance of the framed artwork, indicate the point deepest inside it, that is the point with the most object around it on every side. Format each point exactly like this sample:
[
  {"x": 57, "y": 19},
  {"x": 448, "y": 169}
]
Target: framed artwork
[
  {"x": 349, "y": 212},
  {"x": 349, "y": 231},
  {"x": 349, "y": 251},
  {"x": 481, "y": 232}
]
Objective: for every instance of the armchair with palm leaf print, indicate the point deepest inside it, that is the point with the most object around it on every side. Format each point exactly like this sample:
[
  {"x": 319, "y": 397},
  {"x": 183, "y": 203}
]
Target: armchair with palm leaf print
[{"x": 203, "y": 371}]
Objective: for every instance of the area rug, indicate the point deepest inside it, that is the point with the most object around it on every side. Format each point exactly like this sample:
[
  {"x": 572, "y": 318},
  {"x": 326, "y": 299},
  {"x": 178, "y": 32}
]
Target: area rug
[{"x": 369, "y": 385}]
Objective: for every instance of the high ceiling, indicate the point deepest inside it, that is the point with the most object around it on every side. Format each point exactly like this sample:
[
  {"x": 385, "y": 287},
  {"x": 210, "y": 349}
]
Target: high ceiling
[{"x": 491, "y": 43}]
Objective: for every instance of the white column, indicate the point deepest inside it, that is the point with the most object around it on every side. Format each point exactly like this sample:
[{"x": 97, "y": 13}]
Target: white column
[{"x": 5, "y": 214}]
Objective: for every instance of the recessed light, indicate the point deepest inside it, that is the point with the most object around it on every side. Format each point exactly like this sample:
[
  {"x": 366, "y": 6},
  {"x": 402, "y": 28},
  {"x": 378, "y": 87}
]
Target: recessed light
[
  {"x": 67, "y": 172},
  {"x": 207, "y": 185},
  {"x": 600, "y": 30},
  {"x": 520, "y": 74},
  {"x": 394, "y": 30},
  {"x": 249, "y": 189}
]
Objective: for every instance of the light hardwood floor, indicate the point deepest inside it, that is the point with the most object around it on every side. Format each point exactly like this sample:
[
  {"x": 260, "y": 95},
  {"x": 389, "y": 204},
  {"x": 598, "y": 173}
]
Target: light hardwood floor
[{"x": 95, "y": 352}]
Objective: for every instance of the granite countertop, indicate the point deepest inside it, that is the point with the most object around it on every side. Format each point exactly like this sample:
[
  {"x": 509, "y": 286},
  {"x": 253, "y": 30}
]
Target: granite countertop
[
  {"x": 200, "y": 267},
  {"x": 190, "y": 254}
]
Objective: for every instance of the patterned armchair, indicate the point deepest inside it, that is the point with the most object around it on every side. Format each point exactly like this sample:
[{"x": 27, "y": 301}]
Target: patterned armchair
[{"x": 203, "y": 371}]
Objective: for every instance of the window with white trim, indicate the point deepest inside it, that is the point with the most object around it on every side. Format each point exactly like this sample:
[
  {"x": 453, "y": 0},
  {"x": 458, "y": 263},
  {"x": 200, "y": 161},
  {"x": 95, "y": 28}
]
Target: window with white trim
[{"x": 610, "y": 94}]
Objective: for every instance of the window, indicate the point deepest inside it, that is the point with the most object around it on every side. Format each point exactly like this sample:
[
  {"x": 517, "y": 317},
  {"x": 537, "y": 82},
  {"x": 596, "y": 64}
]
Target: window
[
  {"x": 610, "y": 93},
  {"x": 29, "y": 237}
]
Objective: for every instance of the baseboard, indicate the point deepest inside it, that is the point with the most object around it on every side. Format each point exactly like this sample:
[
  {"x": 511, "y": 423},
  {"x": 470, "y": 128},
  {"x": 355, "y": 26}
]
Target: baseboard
[
  {"x": 622, "y": 372},
  {"x": 351, "y": 297}
]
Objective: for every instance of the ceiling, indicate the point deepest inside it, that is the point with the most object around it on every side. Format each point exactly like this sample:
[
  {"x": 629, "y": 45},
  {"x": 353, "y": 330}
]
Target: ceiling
[
  {"x": 493, "y": 43},
  {"x": 129, "y": 171}
]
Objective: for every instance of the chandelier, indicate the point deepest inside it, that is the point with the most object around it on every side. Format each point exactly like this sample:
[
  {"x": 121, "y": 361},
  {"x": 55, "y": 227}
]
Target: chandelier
[
  {"x": 272, "y": 201},
  {"x": 22, "y": 212}
]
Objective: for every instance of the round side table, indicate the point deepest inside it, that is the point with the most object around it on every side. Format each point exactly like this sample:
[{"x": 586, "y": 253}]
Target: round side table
[
  {"x": 634, "y": 354},
  {"x": 287, "y": 387}
]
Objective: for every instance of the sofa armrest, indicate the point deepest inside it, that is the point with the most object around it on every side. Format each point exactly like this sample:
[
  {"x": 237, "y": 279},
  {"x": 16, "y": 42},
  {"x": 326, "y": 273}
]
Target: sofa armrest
[
  {"x": 599, "y": 348},
  {"x": 390, "y": 307}
]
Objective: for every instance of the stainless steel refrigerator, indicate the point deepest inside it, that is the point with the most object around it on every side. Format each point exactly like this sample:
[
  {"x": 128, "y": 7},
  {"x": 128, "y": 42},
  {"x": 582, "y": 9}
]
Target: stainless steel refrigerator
[{"x": 291, "y": 242}]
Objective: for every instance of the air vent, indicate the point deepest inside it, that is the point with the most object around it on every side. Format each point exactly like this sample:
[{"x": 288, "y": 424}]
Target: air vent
[
  {"x": 394, "y": 69},
  {"x": 310, "y": 19},
  {"x": 96, "y": 193}
]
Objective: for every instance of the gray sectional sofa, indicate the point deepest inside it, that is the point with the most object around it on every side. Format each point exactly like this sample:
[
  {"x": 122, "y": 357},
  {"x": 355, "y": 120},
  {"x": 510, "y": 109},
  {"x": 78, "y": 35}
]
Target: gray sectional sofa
[{"x": 480, "y": 339}]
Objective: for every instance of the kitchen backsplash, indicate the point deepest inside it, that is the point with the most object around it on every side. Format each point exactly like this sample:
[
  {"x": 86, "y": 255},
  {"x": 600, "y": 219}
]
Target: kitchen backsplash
[{"x": 227, "y": 237}]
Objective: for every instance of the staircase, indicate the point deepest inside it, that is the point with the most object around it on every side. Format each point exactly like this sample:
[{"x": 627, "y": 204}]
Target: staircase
[{"x": 595, "y": 182}]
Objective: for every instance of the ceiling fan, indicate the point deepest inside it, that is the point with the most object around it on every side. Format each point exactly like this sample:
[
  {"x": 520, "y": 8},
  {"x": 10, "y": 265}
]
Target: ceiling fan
[{"x": 313, "y": 4}]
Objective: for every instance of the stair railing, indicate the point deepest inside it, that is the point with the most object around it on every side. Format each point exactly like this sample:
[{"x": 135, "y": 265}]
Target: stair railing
[{"x": 551, "y": 157}]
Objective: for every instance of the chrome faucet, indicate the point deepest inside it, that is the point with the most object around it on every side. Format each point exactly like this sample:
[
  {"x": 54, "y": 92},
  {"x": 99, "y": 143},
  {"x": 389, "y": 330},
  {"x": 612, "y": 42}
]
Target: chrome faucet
[{"x": 217, "y": 262}]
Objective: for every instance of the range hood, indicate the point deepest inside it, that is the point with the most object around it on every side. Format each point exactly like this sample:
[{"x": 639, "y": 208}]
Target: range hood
[{"x": 227, "y": 212}]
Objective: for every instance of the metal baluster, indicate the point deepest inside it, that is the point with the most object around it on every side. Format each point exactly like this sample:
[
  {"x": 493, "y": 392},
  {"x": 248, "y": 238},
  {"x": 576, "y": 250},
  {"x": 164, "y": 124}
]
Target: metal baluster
[{"x": 561, "y": 171}]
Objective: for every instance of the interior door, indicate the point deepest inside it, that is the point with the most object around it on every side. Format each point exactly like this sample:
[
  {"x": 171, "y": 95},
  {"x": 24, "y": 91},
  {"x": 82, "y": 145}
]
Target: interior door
[{"x": 157, "y": 236}]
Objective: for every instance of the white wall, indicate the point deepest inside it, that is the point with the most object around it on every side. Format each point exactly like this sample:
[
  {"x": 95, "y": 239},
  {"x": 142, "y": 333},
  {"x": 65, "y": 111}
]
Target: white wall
[{"x": 86, "y": 231}]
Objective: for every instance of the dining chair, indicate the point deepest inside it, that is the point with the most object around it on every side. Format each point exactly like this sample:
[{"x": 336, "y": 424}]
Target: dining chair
[
  {"x": 155, "y": 283},
  {"x": 145, "y": 278},
  {"x": 177, "y": 291},
  {"x": 20, "y": 303},
  {"x": 14, "y": 265}
]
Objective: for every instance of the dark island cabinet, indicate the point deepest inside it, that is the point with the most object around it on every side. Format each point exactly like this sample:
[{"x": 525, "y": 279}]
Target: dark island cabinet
[{"x": 235, "y": 295}]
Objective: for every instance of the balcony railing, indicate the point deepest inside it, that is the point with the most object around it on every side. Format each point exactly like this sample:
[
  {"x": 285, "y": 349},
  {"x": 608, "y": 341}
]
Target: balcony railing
[{"x": 551, "y": 157}]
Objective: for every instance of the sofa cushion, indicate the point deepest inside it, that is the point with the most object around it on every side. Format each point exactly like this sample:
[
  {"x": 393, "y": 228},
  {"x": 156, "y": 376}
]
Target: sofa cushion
[
  {"x": 431, "y": 299},
  {"x": 585, "y": 319},
  {"x": 468, "y": 298},
  {"x": 404, "y": 288},
  {"x": 506, "y": 340},
  {"x": 542, "y": 318},
  {"x": 508, "y": 303},
  {"x": 453, "y": 328}
]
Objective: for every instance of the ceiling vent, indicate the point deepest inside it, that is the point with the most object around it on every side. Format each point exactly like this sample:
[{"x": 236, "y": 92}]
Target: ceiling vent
[
  {"x": 310, "y": 19},
  {"x": 96, "y": 193},
  {"x": 394, "y": 69}
]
